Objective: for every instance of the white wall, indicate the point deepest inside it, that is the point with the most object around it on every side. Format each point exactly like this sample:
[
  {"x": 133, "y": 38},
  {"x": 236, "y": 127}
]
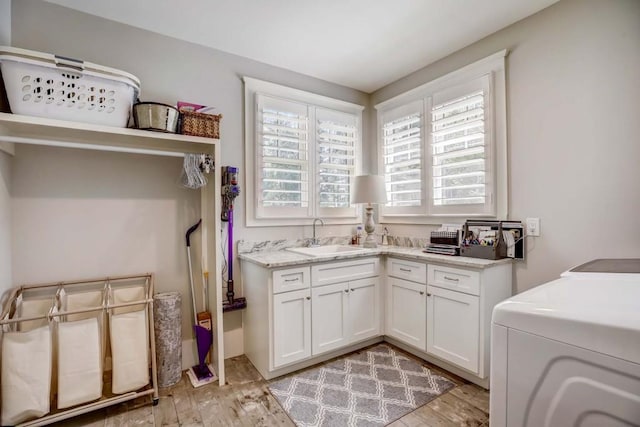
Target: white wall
[
  {"x": 170, "y": 70},
  {"x": 5, "y": 22},
  {"x": 5, "y": 222},
  {"x": 5, "y": 172},
  {"x": 573, "y": 124}
]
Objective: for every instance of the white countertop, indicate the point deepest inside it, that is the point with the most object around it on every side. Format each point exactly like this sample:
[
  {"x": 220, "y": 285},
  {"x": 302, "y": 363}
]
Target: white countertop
[{"x": 285, "y": 258}]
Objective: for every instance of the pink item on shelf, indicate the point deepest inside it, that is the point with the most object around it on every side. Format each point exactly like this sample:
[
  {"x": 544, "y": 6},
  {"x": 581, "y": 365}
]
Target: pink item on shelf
[{"x": 188, "y": 106}]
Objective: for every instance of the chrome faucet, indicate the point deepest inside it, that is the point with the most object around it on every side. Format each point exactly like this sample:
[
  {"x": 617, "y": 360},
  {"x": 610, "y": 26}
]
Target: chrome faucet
[{"x": 315, "y": 241}]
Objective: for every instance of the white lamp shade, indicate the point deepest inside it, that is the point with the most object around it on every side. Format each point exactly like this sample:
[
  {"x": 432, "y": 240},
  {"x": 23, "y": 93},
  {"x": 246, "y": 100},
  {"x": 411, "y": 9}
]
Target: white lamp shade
[{"x": 369, "y": 189}]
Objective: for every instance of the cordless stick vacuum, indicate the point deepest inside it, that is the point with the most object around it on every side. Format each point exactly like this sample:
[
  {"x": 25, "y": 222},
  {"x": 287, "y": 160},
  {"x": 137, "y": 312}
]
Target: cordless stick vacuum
[
  {"x": 201, "y": 373},
  {"x": 230, "y": 190}
]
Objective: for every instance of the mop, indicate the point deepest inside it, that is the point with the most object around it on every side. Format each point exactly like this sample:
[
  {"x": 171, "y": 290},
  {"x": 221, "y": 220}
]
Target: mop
[{"x": 200, "y": 374}]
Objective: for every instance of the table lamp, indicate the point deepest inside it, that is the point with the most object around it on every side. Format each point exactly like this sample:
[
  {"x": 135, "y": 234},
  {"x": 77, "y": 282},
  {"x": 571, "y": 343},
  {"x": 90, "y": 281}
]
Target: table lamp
[{"x": 369, "y": 189}]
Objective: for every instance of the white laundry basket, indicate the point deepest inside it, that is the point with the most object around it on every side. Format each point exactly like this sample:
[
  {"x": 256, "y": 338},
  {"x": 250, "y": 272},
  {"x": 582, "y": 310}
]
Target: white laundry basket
[{"x": 56, "y": 87}]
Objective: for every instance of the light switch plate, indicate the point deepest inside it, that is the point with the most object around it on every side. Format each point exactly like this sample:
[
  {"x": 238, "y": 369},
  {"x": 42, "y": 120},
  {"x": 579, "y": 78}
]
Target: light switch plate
[{"x": 533, "y": 226}]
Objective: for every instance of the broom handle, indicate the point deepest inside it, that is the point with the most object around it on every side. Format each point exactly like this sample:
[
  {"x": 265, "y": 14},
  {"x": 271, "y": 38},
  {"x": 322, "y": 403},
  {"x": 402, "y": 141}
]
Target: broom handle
[{"x": 193, "y": 294}]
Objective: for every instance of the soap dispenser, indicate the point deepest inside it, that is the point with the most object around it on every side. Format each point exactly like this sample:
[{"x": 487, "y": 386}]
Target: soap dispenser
[{"x": 385, "y": 237}]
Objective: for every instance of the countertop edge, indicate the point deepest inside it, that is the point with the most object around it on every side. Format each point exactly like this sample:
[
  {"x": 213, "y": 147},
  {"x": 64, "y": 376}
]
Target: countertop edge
[{"x": 284, "y": 258}]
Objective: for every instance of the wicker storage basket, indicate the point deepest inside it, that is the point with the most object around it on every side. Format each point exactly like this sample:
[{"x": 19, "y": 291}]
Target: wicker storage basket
[
  {"x": 199, "y": 124},
  {"x": 45, "y": 85}
]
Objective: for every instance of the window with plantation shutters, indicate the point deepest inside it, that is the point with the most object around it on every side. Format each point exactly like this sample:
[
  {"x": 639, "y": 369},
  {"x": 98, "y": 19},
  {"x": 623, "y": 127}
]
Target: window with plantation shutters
[
  {"x": 443, "y": 147},
  {"x": 283, "y": 157},
  {"x": 336, "y": 142},
  {"x": 302, "y": 151},
  {"x": 460, "y": 149},
  {"x": 402, "y": 142}
]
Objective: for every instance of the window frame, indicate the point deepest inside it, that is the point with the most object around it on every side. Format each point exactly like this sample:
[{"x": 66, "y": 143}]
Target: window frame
[
  {"x": 257, "y": 216},
  {"x": 496, "y": 127}
]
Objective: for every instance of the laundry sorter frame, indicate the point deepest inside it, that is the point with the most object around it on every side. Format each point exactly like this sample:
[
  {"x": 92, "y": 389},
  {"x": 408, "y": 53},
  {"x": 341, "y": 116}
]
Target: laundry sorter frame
[{"x": 9, "y": 317}]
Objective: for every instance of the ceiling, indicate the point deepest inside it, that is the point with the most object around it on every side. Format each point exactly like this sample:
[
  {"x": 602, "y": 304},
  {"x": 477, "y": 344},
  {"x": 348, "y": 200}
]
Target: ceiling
[{"x": 362, "y": 44}]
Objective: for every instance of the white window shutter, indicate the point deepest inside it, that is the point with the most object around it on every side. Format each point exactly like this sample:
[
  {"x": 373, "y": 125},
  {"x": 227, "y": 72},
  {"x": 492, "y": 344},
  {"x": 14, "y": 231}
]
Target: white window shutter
[
  {"x": 403, "y": 158},
  {"x": 337, "y": 136},
  {"x": 282, "y": 157},
  {"x": 461, "y": 175}
]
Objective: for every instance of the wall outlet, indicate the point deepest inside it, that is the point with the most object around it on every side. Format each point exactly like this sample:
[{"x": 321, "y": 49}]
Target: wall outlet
[{"x": 533, "y": 227}]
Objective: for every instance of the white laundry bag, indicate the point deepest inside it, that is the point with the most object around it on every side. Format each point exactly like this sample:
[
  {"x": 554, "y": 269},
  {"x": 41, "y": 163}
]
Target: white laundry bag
[
  {"x": 26, "y": 375},
  {"x": 129, "y": 341},
  {"x": 79, "y": 362}
]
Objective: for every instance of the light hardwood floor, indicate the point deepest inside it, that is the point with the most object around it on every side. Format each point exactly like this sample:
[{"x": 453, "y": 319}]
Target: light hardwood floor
[{"x": 246, "y": 401}]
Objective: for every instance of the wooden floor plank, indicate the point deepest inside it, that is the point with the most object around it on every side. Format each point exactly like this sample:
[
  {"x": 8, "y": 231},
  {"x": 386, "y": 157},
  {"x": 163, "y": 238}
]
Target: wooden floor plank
[
  {"x": 165, "y": 413},
  {"x": 431, "y": 418},
  {"x": 474, "y": 395},
  {"x": 457, "y": 410}
]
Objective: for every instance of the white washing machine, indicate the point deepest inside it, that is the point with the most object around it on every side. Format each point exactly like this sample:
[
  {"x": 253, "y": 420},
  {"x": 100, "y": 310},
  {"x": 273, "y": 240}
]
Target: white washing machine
[{"x": 567, "y": 353}]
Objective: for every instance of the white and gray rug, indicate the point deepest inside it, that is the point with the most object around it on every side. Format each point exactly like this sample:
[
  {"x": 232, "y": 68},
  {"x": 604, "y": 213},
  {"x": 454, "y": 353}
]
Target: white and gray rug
[{"x": 373, "y": 387}]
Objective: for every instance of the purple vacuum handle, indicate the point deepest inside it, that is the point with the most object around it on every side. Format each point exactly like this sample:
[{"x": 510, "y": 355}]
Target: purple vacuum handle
[
  {"x": 191, "y": 230},
  {"x": 230, "y": 245}
]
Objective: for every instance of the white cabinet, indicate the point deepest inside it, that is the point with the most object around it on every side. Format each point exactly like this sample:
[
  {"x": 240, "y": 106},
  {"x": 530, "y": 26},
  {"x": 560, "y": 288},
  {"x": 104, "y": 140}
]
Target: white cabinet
[
  {"x": 459, "y": 306},
  {"x": 295, "y": 314},
  {"x": 453, "y": 327},
  {"x": 408, "y": 270},
  {"x": 344, "y": 313},
  {"x": 330, "y": 317},
  {"x": 291, "y": 279},
  {"x": 406, "y": 312},
  {"x": 439, "y": 310},
  {"x": 291, "y": 327},
  {"x": 345, "y": 303},
  {"x": 364, "y": 308},
  {"x": 443, "y": 312},
  {"x": 342, "y": 271}
]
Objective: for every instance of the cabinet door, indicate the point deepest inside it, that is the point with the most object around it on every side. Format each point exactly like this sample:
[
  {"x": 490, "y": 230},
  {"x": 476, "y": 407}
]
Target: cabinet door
[
  {"x": 364, "y": 308},
  {"x": 291, "y": 327},
  {"x": 407, "y": 312},
  {"x": 329, "y": 311},
  {"x": 453, "y": 327}
]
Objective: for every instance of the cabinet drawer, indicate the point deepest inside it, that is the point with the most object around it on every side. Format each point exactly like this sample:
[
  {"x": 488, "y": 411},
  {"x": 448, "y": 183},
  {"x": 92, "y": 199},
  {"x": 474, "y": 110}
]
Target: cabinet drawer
[
  {"x": 291, "y": 279},
  {"x": 324, "y": 274},
  {"x": 408, "y": 270},
  {"x": 457, "y": 279}
]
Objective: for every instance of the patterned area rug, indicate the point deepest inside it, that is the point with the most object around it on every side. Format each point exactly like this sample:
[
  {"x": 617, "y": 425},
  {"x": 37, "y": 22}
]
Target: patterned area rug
[{"x": 373, "y": 387}]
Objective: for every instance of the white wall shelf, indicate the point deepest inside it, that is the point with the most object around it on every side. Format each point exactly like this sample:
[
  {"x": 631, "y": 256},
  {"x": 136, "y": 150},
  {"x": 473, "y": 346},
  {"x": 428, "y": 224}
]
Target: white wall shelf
[
  {"x": 19, "y": 129},
  {"x": 15, "y": 128}
]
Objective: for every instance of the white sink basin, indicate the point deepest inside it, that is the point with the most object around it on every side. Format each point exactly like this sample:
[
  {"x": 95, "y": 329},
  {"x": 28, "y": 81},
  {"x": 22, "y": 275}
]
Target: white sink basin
[{"x": 327, "y": 250}]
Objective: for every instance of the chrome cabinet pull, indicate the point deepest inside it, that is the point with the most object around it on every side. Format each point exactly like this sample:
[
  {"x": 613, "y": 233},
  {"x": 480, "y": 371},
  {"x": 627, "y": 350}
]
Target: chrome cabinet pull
[
  {"x": 451, "y": 279},
  {"x": 405, "y": 269},
  {"x": 292, "y": 280}
]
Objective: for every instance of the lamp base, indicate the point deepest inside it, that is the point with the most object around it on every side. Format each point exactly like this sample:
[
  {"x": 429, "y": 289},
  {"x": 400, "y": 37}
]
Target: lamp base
[
  {"x": 369, "y": 227},
  {"x": 370, "y": 242}
]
